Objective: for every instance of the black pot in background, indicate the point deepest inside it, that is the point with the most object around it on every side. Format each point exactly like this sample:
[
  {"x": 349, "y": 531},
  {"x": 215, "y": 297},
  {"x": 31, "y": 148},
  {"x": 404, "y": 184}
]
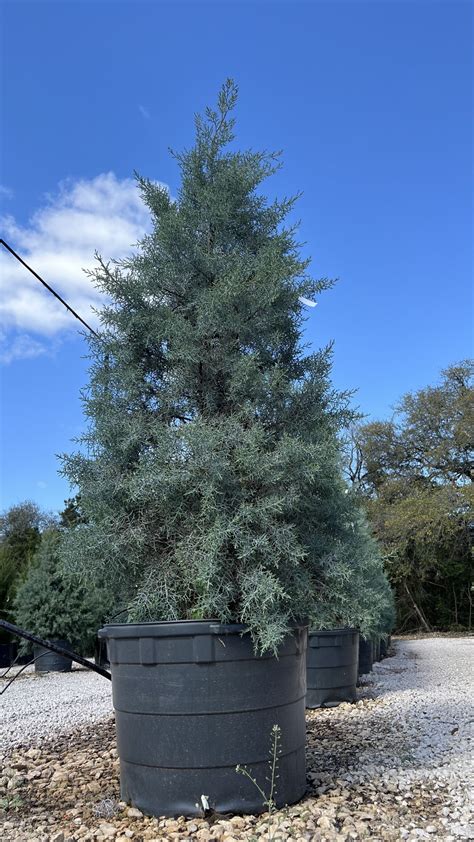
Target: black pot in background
[
  {"x": 366, "y": 656},
  {"x": 101, "y": 658},
  {"x": 376, "y": 649},
  {"x": 383, "y": 647},
  {"x": 51, "y": 661},
  {"x": 21, "y": 660},
  {"x": 331, "y": 667},
  {"x": 192, "y": 701},
  {"x": 8, "y": 653}
]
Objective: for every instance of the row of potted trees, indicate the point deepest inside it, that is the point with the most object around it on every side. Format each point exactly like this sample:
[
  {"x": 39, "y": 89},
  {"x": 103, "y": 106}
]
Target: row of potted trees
[
  {"x": 213, "y": 505},
  {"x": 336, "y": 660}
]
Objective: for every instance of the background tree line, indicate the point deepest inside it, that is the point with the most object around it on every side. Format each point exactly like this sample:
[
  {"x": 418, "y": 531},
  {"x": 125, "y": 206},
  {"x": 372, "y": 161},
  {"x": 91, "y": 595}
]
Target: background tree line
[
  {"x": 35, "y": 591},
  {"x": 414, "y": 476}
]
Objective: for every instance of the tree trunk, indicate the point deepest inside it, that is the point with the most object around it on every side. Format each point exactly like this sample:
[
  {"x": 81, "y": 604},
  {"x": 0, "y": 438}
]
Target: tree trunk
[{"x": 418, "y": 610}]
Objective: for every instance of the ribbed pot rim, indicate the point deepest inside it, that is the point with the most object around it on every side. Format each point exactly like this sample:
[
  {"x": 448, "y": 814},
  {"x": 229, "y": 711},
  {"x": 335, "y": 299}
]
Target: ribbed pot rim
[
  {"x": 59, "y": 641},
  {"x": 174, "y": 628},
  {"x": 336, "y": 630}
]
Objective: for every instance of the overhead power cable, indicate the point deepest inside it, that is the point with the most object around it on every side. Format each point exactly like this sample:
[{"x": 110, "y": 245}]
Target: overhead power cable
[{"x": 50, "y": 289}]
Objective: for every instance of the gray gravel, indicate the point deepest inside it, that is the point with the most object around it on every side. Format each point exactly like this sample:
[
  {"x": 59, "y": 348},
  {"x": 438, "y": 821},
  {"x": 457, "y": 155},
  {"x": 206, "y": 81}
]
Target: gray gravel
[
  {"x": 396, "y": 765},
  {"x": 35, "y": 707},
  {"x": 429, "y": 687}
]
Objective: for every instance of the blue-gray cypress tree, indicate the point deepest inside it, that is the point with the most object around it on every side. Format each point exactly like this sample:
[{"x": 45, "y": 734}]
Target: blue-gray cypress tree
[
  {"x": 354, "y": 589},
  {"x": 209, "y": 475}
]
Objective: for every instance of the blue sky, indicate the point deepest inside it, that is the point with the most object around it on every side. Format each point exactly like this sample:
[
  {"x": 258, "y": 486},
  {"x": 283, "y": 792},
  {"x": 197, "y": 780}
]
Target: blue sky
[{"x": 371, "y": 105}]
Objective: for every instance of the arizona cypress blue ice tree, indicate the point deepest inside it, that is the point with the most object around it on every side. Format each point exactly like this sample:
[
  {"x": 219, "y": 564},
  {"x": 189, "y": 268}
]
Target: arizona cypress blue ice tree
[
  {"x": 354, "y": 590},
  {"x": 209, "y": 474}
]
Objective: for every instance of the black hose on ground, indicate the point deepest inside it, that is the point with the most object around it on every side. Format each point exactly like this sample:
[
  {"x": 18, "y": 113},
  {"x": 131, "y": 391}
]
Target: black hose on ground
[{"x": 54, "y": 648}]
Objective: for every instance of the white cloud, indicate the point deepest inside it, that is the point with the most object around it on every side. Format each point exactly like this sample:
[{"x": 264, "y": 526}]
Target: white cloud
[
  {"x": 5, "y": 192},
  {"x": 20, "y": 346},
  {"x": 103, "y": 214},
  {"x": 144, "y": 112}
]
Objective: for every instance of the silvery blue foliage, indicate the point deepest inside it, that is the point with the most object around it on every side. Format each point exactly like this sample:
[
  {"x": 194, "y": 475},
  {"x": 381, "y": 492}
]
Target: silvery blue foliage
[{"x": 209, "y": 476}]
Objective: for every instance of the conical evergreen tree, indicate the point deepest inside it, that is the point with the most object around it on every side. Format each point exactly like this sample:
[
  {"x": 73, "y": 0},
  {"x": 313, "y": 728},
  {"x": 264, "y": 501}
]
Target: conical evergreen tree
[
  {"x": 210, "y": 485},
  {"x": 54, "y": 605},
  {"x": 354, "y": 588}
]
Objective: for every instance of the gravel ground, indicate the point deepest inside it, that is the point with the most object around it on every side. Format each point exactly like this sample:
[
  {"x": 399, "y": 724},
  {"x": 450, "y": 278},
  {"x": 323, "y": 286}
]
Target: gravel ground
[
  {"x": 395, "y": 765},
  {"x": 38, "y": 706}
]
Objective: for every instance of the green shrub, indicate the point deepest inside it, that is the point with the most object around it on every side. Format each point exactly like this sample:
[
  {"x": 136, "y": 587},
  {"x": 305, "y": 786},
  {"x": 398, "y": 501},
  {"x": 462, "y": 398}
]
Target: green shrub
[
  {"x": 20, "y": 535},
  {"x": 53, "y": 605}
]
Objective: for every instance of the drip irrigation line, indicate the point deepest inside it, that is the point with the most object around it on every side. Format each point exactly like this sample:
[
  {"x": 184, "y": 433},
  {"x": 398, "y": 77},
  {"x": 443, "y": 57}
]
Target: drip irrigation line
[
  {"x": 55, "y": 647},
  {"x": 50, "y": 289},
  {"x": 33, "y": 661},
  {"x": 13, "y": 664}
]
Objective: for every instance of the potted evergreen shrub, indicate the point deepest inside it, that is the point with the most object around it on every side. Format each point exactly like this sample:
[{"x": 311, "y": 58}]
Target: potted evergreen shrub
[
  {"x": 381, "y": 597},
  {"x": 211, "y": 445},
  {"x": 354, "y": 597},
  {"x": 56, "y": 607}
]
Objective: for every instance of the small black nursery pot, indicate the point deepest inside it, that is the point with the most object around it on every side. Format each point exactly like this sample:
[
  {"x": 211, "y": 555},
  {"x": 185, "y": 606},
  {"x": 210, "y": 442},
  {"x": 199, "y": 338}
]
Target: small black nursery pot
[
  {"x": 48, "y": 661},
  {"x": 366, "y": 655},
  {"x": 331, "y": 667},
  {"x": 8, "y": 653}
]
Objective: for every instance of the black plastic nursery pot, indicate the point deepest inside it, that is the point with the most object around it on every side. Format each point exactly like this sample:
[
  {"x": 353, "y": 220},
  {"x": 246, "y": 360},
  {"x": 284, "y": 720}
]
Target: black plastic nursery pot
[
  {"x": 8, "y": 653},
  {"x": 366, "y": 656},
  {"x": 48, "y": 661},
  {"x": 331, "y": 667},
  {"x": 192, "y": 701},
  {"x": 383, "y": 647},
  {"x": 101, "y": 658},
  {"x": 376, "y": 643}
]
